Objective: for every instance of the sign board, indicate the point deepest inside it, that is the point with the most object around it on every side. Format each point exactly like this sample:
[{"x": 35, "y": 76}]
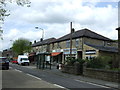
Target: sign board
[{"x": 90, "y": 52}]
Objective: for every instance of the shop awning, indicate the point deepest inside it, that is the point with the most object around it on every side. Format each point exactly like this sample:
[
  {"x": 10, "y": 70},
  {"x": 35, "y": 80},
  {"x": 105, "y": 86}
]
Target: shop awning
[{"x": 55, "y": 53}]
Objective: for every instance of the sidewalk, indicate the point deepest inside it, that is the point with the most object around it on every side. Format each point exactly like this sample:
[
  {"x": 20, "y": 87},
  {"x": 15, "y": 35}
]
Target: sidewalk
[{"x": 81, "y": 78}]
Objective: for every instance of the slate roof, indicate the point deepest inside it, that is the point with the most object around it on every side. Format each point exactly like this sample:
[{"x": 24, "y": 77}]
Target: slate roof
[
  {"x": 104, "y": 48},
  {"x": 46, "y": 41},
  {"x": 83, "y": 33}
]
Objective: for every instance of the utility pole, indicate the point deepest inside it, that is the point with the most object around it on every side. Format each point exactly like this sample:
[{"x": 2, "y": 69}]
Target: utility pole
[
  {"x": 118, "y": 45},
  {"x": 71, "y": 40}
]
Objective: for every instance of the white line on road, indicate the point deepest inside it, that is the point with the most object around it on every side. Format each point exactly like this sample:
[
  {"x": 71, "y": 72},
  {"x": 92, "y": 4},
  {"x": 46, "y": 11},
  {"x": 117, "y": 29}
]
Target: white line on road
[
  {"x": 92, "y": 84},
  {"x": 34, "y": 76},
  {"x": 59, "y": 86},
  {"x": 18, "y": 70}
]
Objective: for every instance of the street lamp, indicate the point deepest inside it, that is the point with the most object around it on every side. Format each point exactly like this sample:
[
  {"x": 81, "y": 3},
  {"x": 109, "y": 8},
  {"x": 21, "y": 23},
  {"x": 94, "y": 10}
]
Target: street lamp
[
  {"x": 42, "y": 32},
  {"x": 11, "y": 42}
]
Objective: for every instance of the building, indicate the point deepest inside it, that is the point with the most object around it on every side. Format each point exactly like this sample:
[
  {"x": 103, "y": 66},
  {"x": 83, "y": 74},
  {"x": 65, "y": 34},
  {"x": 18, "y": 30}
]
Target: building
[
  {"x": 86, "y": 44},
  {"x": 42, "y": 45},
  {"x": 8, "y": 53}
]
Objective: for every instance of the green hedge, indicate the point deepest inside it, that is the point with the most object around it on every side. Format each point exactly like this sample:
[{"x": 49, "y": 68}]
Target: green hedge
[{"x": 99, "y": 62}]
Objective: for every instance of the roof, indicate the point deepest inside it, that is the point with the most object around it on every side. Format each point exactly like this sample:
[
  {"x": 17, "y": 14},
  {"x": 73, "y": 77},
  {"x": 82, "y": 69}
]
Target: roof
[
  {"x": 46, "y": 41},
  {"x": 104, "y": 48},
  {"x": 83, "y": 33}
]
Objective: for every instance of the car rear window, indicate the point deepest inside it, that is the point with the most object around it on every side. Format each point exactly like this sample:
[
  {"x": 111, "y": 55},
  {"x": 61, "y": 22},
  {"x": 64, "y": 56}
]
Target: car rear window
[{"x": 2, "y": 59}]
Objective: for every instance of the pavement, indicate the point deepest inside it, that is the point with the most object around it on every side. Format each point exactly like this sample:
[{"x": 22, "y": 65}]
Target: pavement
[{"x": 80, "y": 77}]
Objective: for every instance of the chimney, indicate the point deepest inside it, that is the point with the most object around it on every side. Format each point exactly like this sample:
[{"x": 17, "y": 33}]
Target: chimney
[
  {"x": 73, "y": 30},
  {"x": 41, "y": 39},
  {"x": 35, "y": 41}
]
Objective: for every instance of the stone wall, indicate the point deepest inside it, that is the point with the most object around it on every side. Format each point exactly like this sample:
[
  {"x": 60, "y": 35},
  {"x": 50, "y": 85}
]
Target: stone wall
[
  {"x": 107, "y": 75},
  {"x": 76, "y": 69}
]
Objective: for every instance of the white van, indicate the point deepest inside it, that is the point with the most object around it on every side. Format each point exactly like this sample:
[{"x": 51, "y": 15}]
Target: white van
[{"x": 23, "y": 60}]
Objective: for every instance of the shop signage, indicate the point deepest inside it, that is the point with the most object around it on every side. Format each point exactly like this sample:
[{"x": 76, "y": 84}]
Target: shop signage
[
  {"x": 67, "y": 51},
  {"x": 90, "y": 52}
]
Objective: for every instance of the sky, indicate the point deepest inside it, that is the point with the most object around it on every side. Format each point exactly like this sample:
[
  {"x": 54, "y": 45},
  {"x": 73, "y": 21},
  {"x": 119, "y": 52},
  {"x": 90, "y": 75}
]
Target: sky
[{"x": 54, "y": 17}]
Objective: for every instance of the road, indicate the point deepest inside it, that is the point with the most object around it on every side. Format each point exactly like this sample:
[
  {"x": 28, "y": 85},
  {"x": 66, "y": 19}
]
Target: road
[{"x": 23, "y": 77}]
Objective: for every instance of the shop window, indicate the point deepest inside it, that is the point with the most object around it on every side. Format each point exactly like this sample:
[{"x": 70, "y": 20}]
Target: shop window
[{"x": 90, "y": 57}]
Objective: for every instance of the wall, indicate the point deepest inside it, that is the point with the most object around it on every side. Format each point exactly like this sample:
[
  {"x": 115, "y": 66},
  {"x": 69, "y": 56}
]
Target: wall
[
  {"x": 76, "y": 69},
  {"x": 107, "y": 75}
]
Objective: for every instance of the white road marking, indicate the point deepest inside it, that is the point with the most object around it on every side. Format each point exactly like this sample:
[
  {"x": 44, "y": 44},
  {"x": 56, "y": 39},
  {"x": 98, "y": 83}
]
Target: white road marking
[
  {"x": 58, "y": 86},
  {"x": 34, "y": 77},
  {"x": 92, "y": 84},
  {"x": 18, "y": 70}
]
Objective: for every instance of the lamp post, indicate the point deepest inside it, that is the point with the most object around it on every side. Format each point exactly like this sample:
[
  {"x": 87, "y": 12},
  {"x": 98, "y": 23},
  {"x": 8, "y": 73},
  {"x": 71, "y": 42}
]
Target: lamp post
[
  {"x": 42, "y": 35},
  {"x": 42, "y": 32},
  {"x": 11, "y": 42}
]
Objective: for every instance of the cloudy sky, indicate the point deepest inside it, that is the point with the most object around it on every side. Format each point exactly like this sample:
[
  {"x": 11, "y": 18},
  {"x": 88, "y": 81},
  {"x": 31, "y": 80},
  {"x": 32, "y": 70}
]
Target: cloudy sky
[{"x": 54, "y": 16}]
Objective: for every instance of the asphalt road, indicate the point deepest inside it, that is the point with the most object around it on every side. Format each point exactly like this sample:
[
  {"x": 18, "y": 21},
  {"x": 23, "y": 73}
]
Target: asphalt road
[{"x": 35, "y": 77}]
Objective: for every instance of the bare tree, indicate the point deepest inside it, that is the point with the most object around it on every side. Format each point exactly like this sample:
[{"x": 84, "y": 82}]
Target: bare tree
[{"x": 4, "y": 12}]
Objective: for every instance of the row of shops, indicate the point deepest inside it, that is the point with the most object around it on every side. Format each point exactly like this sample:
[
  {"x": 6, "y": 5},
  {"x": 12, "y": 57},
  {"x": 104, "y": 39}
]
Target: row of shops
[{"x": 60, "y": 56}]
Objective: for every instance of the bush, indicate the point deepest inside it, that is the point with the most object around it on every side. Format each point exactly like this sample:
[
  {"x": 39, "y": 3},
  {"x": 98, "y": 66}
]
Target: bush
[
  {"x": 71, "y": 61},
  {"x": 99, "y": 62}
]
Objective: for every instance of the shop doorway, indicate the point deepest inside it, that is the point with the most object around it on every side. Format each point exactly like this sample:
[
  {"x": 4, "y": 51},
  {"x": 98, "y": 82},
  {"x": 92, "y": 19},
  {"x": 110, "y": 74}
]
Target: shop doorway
[{"x": 79, "y": 54}]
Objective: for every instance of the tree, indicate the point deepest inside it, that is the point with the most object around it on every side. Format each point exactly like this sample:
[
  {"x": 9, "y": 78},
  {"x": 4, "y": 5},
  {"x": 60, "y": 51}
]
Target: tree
[
  {"x": 4, "y": 12},
  {"x": 21, "y": 46}
]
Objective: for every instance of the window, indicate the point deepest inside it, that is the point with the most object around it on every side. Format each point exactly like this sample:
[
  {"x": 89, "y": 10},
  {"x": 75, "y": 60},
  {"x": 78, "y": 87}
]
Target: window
[
  {"x": 77, "y": 42},
  {"x": 58, "y": 45},
  {"x": 68, "y": 44},
  {"x": 53, "y": 46},
  {"x": 90, "y": 57}
]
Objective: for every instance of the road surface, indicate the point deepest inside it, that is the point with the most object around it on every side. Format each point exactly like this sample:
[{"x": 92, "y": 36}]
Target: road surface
[{"x": 25, "y": 77}]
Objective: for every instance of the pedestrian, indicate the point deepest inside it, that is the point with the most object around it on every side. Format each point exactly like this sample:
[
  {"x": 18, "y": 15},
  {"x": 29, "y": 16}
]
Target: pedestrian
[{"x": 57, "y": 66}]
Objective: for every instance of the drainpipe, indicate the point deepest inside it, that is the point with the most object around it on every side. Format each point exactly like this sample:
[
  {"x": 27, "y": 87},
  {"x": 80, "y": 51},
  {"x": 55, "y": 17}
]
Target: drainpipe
[{"x": 118, "y": 45}]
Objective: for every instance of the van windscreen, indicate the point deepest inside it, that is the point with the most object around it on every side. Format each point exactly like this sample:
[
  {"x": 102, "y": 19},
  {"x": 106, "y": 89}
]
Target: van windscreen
[{"x": 24, "y": 58}]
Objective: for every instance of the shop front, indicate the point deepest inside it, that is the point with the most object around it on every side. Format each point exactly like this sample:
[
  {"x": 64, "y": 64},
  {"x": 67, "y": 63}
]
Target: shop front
[
  {"x": 56, "y": 57},
  {"x": 66, "y": 53}
]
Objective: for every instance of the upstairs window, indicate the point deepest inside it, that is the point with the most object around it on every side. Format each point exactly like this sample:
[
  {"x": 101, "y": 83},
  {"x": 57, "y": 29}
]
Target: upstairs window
[
  {"x": 68, "y": 44},
  {"x": 77, "y": 42},
  {"x": 58, "y": 45}
]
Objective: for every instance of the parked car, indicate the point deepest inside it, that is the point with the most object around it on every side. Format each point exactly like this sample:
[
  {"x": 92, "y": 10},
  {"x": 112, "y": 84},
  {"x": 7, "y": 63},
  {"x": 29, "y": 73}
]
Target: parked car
[
  {"x": 14, "y": 61},
  {"x": 4, "y": 63}
]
